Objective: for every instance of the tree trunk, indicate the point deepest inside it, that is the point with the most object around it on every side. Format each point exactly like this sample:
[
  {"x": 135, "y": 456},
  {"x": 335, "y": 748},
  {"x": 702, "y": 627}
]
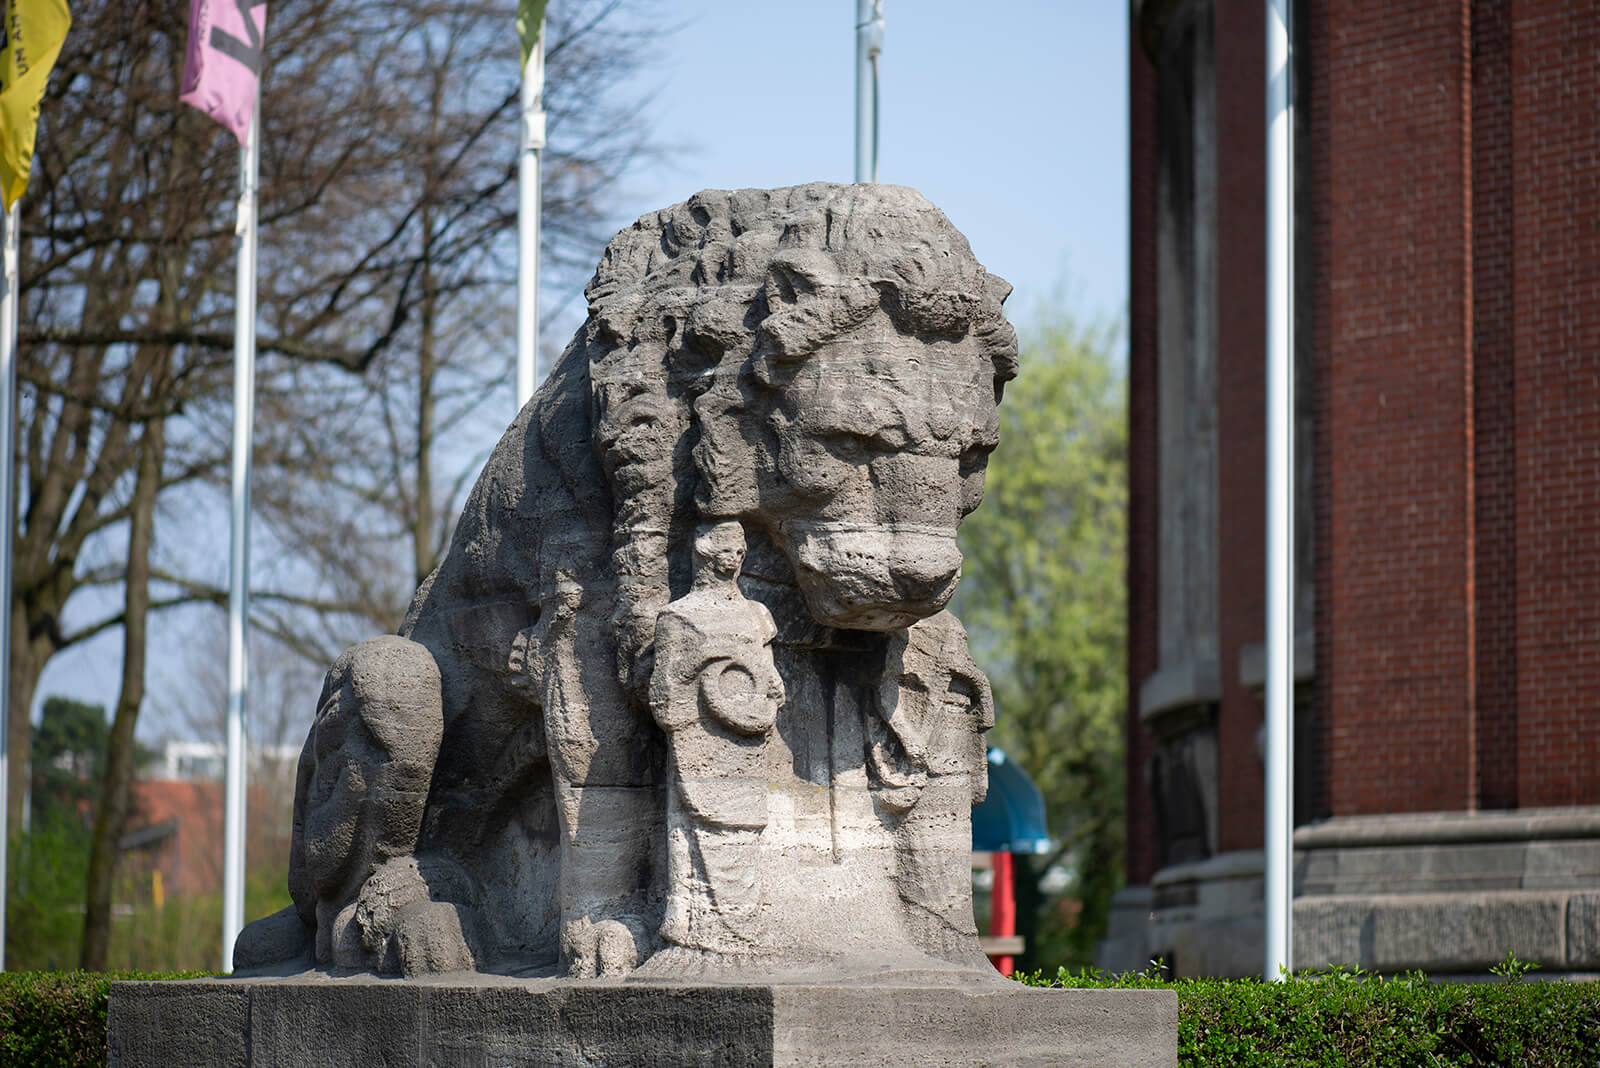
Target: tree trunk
[
  {"x": 112, "y": 811},
  {"x": 28, "y": 657},
  {"x": 424, "y": 554},
  {"x": 19, "y": 736}
]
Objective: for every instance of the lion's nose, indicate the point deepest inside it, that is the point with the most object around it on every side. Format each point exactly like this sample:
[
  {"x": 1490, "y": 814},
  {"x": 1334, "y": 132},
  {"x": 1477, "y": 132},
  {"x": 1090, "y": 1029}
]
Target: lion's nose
[{"x": 927, "y": 571}]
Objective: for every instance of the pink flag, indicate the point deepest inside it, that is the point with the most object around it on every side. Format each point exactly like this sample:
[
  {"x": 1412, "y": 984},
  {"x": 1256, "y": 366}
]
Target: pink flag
[{"x": 224, "y": 62}]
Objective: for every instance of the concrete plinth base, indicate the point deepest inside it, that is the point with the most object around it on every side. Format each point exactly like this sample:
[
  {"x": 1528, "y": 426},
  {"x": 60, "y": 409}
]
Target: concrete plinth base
[
  {"x": 1448, "y": 893},
  {"x": 462, "y": 1021}
]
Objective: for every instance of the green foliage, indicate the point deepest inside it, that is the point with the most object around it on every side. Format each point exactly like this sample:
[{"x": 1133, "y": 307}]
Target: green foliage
[
  {"x": 44, "y": 909},
  {"x": 1511, "y": 969},
  {"x": 68, "y": 760},
  {"x": 48, "y": 869},
  {"x": 69, "y": 750},
  {"x": 44, "y": 897},
  {"x": 57, "y": 1019},
  {"x": 1341, "y": 1017},
  {"x": 1044, "y": 601},
  {"x": 186, "y": 933}
]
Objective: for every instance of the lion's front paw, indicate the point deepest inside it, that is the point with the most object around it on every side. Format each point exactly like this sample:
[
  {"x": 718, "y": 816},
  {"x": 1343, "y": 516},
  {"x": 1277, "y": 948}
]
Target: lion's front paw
[
  {"x": 609, "y": 948},
  {"x": 429, "y": 938}
]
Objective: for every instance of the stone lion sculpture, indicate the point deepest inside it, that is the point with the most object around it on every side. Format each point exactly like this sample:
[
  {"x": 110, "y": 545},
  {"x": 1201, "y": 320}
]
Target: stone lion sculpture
[{"x": 682, "y": 698}]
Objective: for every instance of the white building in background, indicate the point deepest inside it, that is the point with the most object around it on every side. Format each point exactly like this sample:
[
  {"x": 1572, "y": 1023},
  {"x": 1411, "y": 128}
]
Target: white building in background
[{"x": 204, "y": 761}]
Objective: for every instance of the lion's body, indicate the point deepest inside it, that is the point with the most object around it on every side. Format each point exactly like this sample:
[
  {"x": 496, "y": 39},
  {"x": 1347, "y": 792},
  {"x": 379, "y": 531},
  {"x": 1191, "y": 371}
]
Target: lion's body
[{"x": 817, "y": 366}]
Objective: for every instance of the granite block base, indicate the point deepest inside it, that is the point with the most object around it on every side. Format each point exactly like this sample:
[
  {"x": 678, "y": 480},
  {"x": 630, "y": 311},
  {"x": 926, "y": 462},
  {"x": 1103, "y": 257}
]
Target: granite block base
[{"x": 478, "y": 1021}]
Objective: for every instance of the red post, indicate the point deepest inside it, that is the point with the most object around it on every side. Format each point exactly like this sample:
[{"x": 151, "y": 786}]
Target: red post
[{"x": 1003, "y": 908}]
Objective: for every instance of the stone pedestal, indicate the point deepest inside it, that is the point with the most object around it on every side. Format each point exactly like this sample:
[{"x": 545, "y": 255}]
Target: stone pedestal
[
  {"x": 1448, "y": 893},
  {"x": 467, "y": 1020}
]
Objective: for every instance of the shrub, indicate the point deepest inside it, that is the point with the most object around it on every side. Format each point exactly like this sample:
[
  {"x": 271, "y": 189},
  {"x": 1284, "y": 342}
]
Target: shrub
[
  {"x": 44, "y": 901},
  {"x": 1345, "y": 1018},
  {"x": 58, "y": 1019}
]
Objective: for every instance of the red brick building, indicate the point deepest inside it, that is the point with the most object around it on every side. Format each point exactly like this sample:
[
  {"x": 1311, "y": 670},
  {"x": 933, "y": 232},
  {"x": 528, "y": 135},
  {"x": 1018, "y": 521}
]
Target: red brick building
[
  {"x": 175, "y": 834},
  {"x": 1447, "y": 294}
]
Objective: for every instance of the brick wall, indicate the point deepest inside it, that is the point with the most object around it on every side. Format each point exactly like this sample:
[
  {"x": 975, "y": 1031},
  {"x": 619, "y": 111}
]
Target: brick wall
[
  {"x": 1458, "y": 270},
  {"x": 1555, "y": 241},
  {"x": 1395, "y": 288},
  {"x": 1314, "y": 33},
  {"x": 1454, "y": 172},
  {"x": 190, "y": 858},
  {"x": 1241, "y": 408},
  {"x": 1493, "y": 411}
]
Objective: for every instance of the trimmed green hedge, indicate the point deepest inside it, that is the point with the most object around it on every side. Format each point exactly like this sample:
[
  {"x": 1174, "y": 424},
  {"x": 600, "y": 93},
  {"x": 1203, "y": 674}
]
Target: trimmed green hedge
[
  {"x": 1344, "y": 1018},
  {"x": 1335, "y": 1018},
  {"x": 58, "y": 1019}
]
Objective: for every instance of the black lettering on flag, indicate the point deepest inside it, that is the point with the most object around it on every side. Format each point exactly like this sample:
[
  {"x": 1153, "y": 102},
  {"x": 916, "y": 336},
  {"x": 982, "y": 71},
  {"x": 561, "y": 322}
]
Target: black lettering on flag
[{"x": 246, "y": 52}]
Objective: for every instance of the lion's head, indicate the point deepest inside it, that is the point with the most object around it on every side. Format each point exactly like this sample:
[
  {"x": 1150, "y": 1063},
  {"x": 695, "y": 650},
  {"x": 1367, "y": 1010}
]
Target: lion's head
[{"x": 822, "y": 362}]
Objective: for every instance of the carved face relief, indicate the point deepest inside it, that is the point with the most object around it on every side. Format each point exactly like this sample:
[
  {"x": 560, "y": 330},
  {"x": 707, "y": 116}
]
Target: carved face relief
[
  {"x": 368, "y": 762},
  {"x": 344, "y": 755},
  {"x": 937, "y": 701},
  {"x": 882, "y": 440}
]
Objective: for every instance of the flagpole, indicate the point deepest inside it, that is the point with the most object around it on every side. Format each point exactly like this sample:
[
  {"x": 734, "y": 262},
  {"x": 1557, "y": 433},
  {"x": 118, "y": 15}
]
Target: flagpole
[
  {"x": 8, "y": 418},
  {"x": 1278, "y": 893},
  {"x": 244, "y": 352},
  {"x": 869, "y": 45},
  {"x": 528, "y": 221}
]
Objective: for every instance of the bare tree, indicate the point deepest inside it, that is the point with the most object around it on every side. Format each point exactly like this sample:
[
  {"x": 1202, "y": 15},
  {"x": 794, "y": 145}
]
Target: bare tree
[
  {"x": 413, "y": 430},
  {"x": 128, "y": 247}
]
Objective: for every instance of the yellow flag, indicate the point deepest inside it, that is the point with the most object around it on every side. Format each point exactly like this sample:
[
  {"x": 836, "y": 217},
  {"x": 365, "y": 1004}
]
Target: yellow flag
[
  {"x": 30, "y": 41},
  {"x": 530, "y": 13}
]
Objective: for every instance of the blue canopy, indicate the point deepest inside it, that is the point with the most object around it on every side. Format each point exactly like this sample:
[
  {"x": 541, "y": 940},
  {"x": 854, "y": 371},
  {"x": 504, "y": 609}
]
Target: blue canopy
[{"x": 1011, "y": 818}]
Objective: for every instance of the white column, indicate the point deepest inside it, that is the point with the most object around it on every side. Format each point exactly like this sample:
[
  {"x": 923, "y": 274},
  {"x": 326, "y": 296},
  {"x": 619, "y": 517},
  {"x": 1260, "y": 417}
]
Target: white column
[
  {"x": 869, "y": 45},
  {"x": 528, "y": 222},
  {"x": 1279, "y": 889},
  {"x": 8, "y": 430},
  {"x": 244, "y": 388}
]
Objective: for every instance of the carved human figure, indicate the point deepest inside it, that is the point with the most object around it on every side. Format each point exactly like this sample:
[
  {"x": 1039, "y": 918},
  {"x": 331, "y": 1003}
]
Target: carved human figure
[
  {"x": 926, "y": 753},
  {"x": 716, "y": 693}
]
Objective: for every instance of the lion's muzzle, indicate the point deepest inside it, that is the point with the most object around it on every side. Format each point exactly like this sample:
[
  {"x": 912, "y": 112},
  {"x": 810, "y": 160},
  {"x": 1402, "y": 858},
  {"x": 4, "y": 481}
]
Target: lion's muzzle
[{"x": 877, "y": 577}]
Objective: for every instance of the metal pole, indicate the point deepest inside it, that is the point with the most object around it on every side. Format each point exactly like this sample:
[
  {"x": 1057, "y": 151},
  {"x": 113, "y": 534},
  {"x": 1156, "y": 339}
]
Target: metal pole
[
  {"x": 1279, "y": 889},
  {"x": 8, "y": 420},
  {"x": 869, "y": 45},
  {"x": 528, "y": 222},
  {"x": 244, "y": 389}
]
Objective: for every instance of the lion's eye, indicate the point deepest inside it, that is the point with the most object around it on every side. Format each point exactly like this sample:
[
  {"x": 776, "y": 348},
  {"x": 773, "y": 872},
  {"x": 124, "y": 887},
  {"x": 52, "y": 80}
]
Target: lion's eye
[
  {"x": 844, "y": 445},
  {"x": 891, "y": 439}
]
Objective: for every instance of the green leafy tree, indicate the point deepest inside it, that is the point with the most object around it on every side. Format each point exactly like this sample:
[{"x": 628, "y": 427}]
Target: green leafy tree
[
  {"x": 1045, "y": 605},
  {"x": 69, "y": 752},
  {"x": 50, "y": 860},
  {"x": 69, "y": 758}
]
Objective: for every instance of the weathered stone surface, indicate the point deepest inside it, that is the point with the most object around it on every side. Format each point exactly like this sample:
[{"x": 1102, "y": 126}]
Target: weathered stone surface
[
  {"x": 316, "y": 1021},
  {"x": 162, "y": 1025},
  {"x": 1425, "y": 930},
  {"x": 278, "y": 938},
  {"x": 682, "y": 697},
  {"x": 1450, "y": 892},
  {"x": 1583, "y": 930}
]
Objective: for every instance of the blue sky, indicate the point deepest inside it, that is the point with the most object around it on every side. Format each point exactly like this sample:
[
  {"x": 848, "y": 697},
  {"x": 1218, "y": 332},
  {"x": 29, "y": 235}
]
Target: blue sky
[{"x": 1011, "y": 117}]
